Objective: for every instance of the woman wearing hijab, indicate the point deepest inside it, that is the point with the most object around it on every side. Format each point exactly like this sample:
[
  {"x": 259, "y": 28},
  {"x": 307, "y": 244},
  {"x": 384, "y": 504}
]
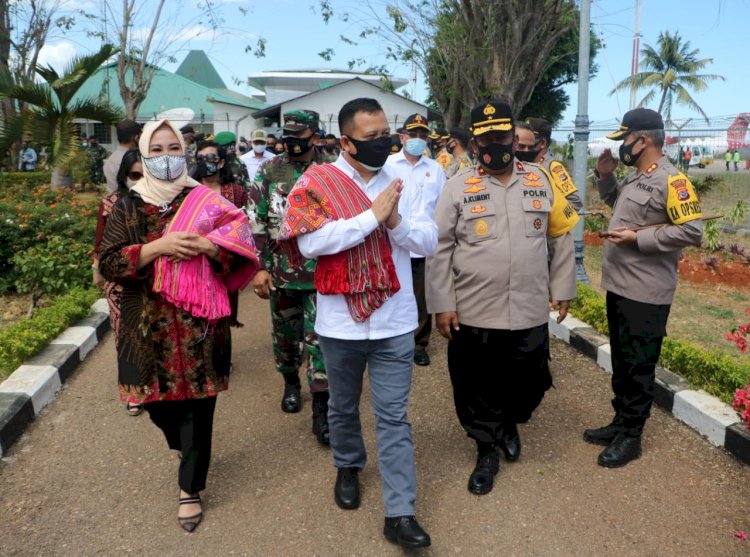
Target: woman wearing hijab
[
  {"x": 131, "y": 170},
  {"x": 176, "y": 248}
]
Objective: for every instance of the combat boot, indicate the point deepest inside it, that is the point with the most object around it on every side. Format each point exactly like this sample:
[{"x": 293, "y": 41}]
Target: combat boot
[
  {"x": 602, "y": 435},
  {"x": 320, "y": 417}
]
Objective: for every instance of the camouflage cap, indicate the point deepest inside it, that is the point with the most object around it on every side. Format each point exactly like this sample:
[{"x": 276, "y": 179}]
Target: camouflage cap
[{"x": 298, "y": 120}]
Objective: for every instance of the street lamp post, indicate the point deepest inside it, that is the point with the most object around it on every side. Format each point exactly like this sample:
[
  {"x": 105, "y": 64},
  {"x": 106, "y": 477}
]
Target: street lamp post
[{"x": 581, "y": 132}]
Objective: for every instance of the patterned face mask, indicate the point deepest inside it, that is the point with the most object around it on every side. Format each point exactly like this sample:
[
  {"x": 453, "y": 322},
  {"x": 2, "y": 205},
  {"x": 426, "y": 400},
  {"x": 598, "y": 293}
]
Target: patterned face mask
[{"x": 165, "y": 167}]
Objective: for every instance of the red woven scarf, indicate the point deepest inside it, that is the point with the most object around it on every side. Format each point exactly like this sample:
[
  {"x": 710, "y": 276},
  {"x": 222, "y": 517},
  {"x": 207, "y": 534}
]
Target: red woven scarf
[{"x": 364, "y": 274}]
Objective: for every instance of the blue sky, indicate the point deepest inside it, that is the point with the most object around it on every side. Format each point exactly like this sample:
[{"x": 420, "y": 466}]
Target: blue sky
[{"x": 295, "y": 33}]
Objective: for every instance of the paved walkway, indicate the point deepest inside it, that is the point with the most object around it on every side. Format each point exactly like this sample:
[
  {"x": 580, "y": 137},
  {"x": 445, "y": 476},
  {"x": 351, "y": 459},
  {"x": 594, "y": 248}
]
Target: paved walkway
[{"x": 87, "y": 479}]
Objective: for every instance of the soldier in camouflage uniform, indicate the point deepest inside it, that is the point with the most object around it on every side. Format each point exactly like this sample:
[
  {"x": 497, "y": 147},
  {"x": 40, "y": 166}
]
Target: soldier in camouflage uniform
[
  {"x": 96, "y": 155},
  {"x": 236, "y": 166},
  {"x": 290, "y": 287}
]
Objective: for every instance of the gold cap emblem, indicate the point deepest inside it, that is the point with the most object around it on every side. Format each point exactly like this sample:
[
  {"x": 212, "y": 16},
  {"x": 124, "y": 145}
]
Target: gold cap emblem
[{"x": 489, "y": 110}]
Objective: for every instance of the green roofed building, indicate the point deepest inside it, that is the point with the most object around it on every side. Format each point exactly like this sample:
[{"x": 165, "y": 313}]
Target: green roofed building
[{"x": 196, "y": 86}]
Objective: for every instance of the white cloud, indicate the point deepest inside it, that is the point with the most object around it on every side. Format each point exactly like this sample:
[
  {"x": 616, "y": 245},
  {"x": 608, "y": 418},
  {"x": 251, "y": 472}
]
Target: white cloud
[{"x": 57, "y": 55}]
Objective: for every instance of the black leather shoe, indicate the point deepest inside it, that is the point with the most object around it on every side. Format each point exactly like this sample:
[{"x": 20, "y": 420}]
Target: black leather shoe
[
  {"x": 320, "y": 418},
  {"x": 405, "y": 531},
  {"x": 622, "y": 450},
  {"x": 510, "y": 443},
  {"x": 292, "y": 401},
  {"x": 602, "y": 435},
  {"x": 421, "y": 358},
  {"x": 346, "y": 491},
  {"x": 482, "y": 479}
]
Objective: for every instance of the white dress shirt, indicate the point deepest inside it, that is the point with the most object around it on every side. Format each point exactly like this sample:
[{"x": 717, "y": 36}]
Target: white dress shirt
[
  {"x": 416, "y": 233},
  {"x": 253, "y": 163},
  {"x": 425, "y": 178}
]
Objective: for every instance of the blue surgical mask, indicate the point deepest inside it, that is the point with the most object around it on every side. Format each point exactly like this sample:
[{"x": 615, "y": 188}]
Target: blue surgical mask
[{"x": 415, "y": 146}]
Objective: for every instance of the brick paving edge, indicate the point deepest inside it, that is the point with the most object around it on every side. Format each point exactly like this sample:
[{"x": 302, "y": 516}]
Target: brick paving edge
[
  {"x": 31, "y": 387},
  {"x": 706, "y": 414}
]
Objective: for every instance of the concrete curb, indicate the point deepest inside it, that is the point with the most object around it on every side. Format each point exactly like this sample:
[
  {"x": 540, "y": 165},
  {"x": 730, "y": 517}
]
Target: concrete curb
[
  {"x": 706, "y": 414},
  {"x": 34, "y": 385}
]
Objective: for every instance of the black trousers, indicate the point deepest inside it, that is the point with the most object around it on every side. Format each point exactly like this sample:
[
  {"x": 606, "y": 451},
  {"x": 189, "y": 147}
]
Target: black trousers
[
  {"x": 499, "y": 377},
  {"x": 636, "y": 332},
  {"x": 188, "y": 426},
  {"x": 424, "y": 328}
]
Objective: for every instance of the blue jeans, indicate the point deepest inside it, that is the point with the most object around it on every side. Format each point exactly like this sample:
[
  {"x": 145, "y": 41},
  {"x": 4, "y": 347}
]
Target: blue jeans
[{"x": 389, "y": 363}]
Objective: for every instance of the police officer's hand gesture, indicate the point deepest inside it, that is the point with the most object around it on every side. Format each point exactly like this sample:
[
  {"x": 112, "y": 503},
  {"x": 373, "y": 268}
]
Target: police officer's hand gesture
[{"x": 606, "y": 163}]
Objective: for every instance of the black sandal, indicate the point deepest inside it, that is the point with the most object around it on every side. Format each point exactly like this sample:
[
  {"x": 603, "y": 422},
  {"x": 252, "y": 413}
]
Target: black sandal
[
  {"x": 190, "y": 523},
  {"x": 134, "y": 409}
]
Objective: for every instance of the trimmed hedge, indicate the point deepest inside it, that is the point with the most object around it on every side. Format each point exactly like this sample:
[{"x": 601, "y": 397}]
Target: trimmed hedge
[
  {"x": 589, "y": 306},
  {"x": 711, "y": 370},
  {"x": 29, "y": 180},
  {"x": 22, "y": 340}
]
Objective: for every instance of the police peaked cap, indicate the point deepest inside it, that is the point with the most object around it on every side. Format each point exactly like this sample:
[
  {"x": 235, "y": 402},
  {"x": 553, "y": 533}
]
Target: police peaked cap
[
  {"x": 490, "y": 116},
  {"x": 638, "y": 119}
]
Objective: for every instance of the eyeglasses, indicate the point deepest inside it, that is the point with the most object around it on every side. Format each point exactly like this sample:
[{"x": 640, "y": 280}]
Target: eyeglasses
[
  {"x": 135, "y": 175},
  {"x": 209, "y": 157}
]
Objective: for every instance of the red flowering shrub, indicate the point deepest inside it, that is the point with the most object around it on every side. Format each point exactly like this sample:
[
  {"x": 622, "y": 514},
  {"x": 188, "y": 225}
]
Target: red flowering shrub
[{"x": 741, "y": 402}]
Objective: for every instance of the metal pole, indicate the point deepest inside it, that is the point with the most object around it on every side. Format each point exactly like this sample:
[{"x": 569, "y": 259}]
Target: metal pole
[
  {"x": 636, "y": 49},
  {"x": 581, "y": 132}
]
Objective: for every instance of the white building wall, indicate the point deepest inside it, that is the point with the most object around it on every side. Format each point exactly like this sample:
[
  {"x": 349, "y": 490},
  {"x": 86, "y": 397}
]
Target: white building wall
[
  {"x": 229, "y": 117},
  {"x": 328, "y": 103}
]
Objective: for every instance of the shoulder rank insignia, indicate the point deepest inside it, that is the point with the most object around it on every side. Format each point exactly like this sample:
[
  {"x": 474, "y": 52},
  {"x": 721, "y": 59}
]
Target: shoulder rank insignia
[
  {"x": 478, "y": 209},
  {"x": 520, "y": 167},
  {"x": 531, "y": 176},
  {"x": 651, "y": 168}
]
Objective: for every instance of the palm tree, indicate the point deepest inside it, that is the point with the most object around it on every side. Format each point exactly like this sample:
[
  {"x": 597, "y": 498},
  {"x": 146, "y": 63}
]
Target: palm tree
[
  {"x": 49, "y": 111},
  {"x": 670, "y": 72}
]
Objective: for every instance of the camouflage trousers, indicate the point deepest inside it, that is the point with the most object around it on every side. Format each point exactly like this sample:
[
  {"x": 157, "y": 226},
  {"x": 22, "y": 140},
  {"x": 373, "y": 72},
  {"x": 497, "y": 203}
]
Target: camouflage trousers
[
  {"x": 96, "y": 174},
  {"x": 293, "y": 319}
]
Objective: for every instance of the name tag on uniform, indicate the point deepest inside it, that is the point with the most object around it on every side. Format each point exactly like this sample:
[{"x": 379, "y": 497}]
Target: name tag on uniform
[{"x": 645, "y": 187}]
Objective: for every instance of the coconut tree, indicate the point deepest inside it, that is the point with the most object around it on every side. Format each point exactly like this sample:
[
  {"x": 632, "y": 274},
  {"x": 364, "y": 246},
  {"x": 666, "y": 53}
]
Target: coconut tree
[
  {"x": 50, "y": 112},
  {"x": 669, "y": 72}
]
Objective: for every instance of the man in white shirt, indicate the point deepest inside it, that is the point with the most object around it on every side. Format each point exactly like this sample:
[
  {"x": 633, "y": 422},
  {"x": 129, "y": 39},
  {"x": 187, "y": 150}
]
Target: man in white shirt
[
  {"x": 257, "y": 155},
  {"x": 427, "y": 178},
  {"x": 127, "y": 138},
  {"x": 366, "y": 307}
]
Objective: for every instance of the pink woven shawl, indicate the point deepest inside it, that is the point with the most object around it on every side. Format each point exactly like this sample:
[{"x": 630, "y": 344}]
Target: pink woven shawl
[{"x": 193, "y": 285}]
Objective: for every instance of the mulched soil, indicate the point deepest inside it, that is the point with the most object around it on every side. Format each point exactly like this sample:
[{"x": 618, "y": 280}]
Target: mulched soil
[{"x": 701, "y": 268}]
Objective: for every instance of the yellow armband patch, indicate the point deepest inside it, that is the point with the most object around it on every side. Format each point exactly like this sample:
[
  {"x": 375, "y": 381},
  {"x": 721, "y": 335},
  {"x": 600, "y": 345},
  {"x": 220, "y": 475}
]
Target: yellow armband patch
[
  {"x": 563, "y": 216},
  {"x": 444, "y": 159},
  {"x": 561, "y": 178},
  {"x": 683, "y": 204}
]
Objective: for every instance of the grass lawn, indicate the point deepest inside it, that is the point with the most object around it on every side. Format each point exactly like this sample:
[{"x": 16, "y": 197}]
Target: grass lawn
[{"x": 701, "y": 313}]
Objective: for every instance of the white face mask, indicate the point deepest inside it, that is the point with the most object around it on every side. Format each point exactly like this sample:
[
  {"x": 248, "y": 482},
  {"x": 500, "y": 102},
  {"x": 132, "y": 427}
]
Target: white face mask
[
  {"x": 259, "y": 148},
  {"x": 130, "y": 183},
  {"x": 165, "y": 167}
]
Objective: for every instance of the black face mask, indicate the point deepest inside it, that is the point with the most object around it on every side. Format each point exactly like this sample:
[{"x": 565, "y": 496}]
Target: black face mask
[
  {"x": 297, "y": 146},
  {"x": 496, "y": 156},
  {"x": 372, "y": 154},
  {"x": 205, "y": 170},
  {"x": 527, "y": 156},
  {"x": 627, "y": 156}
]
